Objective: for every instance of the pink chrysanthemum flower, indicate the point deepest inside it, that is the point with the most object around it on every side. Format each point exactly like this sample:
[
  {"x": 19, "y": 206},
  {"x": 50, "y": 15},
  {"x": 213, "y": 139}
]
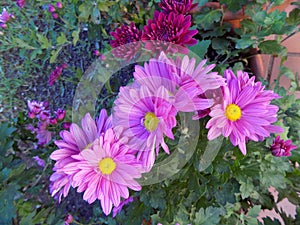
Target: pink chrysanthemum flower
[
  {"x": 246, "y": 112},
  {"x": 126, "y": 41},
  {"x": 281, "y": 147},
  {"x": 169, "y": 33},
  {"x": 177, "y": 6},
  {"x": 72, "y": 143},
  {"x": 105, "y": 171},
  {"x": 186, "y": 83},
  {"x": 43, "y": 135},
  {"x": 145, "y": 117}
]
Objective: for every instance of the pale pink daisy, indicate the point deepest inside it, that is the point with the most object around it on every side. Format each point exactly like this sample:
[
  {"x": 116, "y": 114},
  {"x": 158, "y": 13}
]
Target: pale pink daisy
[
  {"x": 72, "y": 143},
  {"x": 145, "y": 117},
  {"x": 105, "y": 171},
  {"x": 245, "y": 113}
]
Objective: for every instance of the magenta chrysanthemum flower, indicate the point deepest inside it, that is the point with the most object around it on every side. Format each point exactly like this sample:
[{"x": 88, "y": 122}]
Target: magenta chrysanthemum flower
[
  {"x": 105, "y": 171},
  {"x": 72, "y": 143},
  {"x": 177, "y": 6},
  {"x": 182, "y": 80},
  {"x": 126, "y": 41},
  {"x": 246, "y": 112},
  {"x": 281, "y": 147},
  {"x": 145, "y": 117},
  {"x": 169, "y": 33}
]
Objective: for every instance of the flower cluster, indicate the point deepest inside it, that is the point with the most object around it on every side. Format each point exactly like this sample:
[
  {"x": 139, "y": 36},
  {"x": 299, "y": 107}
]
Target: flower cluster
[
  {"x": 40, "y": 110},
  {"x": 4, "y": 18},
  {"x": 168, "y": 29},
  {"x": 56, "y": 73},
  {"x": 52, "y": 9},
  {"x": 104, "y": 157}
]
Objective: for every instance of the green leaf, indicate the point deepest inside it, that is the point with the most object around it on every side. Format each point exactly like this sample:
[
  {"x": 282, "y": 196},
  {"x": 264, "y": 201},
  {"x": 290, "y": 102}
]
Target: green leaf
[
  {"x": 96, "y": 16},
  {"x": 204, "y": 20},
  {"x": 75, "y": 35},
  {"x": 210, "y": 216},
  {"x": 7, "y": 209},
  {"x": 54, "y": 54},
  {"x": 61, "y": 39},
  {"x": 104, "y": 5},
  {"x": 44, "y": 41},
  {"x": 246, "y": 188},
  {"x": 210, "y": 153},
  {"x": 85, "y": 11},
  {"x": 244, "y": 43},
  {"x": 294, "y": 17},
  {"x": 271, "y": 47},
  {"x": 6, "y": 131},
  {"x": 200, "y": 48},
  {"x": 22, "y": 44}
]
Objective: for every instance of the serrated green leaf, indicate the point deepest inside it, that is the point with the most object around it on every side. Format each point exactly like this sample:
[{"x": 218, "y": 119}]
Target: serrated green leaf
[
  {"x": 203, "y": 20},
  {"x": 270, "y": 47},
  {"x": 210, "y": 216},
  {"x": 294, "y": 17},
  {"x": 246, "y": 188},
  {"x": 61, "y": 39},
  {"x": 75, "y": 35},
  {"x": 200, "y": 49},
  {"x": 244, "y": 42},
  {"x": 85, "y": 11},
  {"x": 7, "y": 209},
  {"x": 44, "y": 41},
  {"x": 22, "y": 44},
  {"x": 54, "y": 54}
]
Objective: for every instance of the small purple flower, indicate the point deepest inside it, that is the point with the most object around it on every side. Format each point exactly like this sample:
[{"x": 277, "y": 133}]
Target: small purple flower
[
  {"x": 39, "y": 161},
  {"x": 117, "y": 209},
  {"x": 59, "y": 5},
  {"x": 68, "y": 219},
  {"x": 54, "y": 15},
  {"x": 56, "y": 73},
  {"x": 44, "y": 115},
  {"x": 60, "y": 114},
  {"x": 21, "y": 3},
  {"x": 35, "y": 107},
  {"x": 42, "y": 134},
  {"x": 5, "y": 16},
  {"x": 281, "y": 147},
  {"x": 51, "y": 8},
  {"x": 66, "y": 125},
  {"x": 96, "y": 52},
  {"x": 53, "y": 120}
]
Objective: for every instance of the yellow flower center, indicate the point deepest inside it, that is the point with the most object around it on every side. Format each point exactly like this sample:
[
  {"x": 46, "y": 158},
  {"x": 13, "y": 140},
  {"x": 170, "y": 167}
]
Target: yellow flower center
[
  {"x": 233, "y": 112},
  {"x": 151, "y": 121},
  {"x": 107, "y": 166}
]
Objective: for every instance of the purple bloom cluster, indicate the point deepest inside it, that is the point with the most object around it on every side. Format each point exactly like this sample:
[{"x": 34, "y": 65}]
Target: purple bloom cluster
[
  {"x": 52, "y": 9},
  {"x": 21, "y": 3},
  {"x": 167, "y": 29},
  {"x": 40, "y": 110},
  {"x": 56, "y": 73}
]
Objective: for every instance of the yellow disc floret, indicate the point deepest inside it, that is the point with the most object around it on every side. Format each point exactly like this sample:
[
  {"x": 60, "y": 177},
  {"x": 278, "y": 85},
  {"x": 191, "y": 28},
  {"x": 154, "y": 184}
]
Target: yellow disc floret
[
  {"x": 151, "y": 121},
  {"x": 233, "y": 112},
  {"x": 107, "y": 166}
]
